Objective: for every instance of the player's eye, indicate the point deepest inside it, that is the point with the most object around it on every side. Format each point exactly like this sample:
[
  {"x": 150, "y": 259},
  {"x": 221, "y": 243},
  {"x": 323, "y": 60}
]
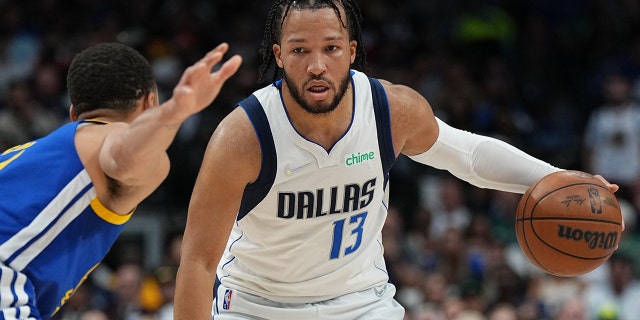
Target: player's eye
[{"x": 298, "y": 50}]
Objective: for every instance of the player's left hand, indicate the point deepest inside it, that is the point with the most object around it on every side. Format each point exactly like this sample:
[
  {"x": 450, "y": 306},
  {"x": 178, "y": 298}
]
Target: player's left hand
[{"x": 612, "y": 186}]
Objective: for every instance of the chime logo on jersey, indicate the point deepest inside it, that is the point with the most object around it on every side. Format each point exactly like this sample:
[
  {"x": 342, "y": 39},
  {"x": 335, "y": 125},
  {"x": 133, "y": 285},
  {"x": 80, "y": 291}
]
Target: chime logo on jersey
[
  {"x": 353, "y": 159},
  {"x": 226, "y": 302}
]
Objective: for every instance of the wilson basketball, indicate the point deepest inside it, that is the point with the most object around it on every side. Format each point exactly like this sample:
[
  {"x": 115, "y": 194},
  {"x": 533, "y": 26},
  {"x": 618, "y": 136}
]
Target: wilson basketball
[{"x": 568, "y": 223}]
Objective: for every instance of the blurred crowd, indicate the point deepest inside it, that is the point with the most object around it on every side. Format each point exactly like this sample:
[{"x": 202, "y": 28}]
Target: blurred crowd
[{"x": 558, "y": 79}]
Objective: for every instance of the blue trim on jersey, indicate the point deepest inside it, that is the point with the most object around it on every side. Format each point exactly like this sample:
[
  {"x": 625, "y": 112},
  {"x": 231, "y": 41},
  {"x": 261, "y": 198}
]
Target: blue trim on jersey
[
  {"x": 258, "y": 190},
  {"x": 216, "y": 284},
  {"x": 14, "y": 279},
  {"x": 383, "y": 123}
]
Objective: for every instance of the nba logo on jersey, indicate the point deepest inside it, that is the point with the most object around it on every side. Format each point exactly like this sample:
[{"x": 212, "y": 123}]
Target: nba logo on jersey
[{"x": 226, "y": 303}]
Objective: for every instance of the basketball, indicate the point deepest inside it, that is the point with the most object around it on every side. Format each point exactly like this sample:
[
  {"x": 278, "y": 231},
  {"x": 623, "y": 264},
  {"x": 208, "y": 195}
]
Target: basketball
[{"x": 568, "y": 223}]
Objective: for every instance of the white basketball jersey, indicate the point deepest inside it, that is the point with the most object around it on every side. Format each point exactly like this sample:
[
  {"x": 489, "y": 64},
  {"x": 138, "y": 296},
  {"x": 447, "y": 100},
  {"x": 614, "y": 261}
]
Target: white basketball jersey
[{"x": 309, "y": 229}]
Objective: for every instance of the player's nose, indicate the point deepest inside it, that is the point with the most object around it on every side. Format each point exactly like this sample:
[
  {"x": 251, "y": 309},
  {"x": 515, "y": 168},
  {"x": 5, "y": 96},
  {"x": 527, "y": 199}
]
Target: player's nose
[{"x": 316, "y": 64}]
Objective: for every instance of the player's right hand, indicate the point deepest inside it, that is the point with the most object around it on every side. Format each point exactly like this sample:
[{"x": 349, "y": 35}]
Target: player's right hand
[{"x": 198, "y": 86}]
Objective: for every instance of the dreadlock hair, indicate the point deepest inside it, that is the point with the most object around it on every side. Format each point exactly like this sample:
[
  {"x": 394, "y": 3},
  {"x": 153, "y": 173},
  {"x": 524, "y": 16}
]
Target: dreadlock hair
[
  {"x": 111, "y": 76},
  {"x": 275, "y": 20}
]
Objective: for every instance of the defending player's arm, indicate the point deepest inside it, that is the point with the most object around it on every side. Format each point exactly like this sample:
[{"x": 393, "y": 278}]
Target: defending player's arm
[
  {"x": 135, "y": 154},
  {"x": 232, "y": 161},
  {"x": 482, "y": 161}
]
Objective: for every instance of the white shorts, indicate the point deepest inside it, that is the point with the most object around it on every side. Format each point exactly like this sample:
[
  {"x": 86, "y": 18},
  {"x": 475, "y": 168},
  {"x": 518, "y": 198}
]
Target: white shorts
[{"x": 371, "y": 304}]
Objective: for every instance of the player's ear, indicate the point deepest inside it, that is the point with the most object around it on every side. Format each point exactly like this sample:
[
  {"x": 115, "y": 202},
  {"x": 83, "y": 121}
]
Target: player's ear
[
  {"x": 277, "y": 54},
  {"x": 353, "y": 45},
  {"x": 72, "y": 113},
  {"x": 150, "y": 100}
]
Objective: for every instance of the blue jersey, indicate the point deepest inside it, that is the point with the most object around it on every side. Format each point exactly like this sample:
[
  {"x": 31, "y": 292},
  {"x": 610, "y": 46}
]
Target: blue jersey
[{"x": 54, "y": 231}]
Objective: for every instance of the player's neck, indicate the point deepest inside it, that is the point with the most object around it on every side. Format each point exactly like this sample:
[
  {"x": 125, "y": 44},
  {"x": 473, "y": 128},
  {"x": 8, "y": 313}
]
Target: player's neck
[
  {"x": 324, "y": 129},
  {"x": 101, "y": 115}
]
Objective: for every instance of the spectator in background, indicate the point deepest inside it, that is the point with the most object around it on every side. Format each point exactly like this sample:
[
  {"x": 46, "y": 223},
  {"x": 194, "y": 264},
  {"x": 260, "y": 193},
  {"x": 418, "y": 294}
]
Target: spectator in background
[
  {"x": 503, "y": 312},
  {"x": 173, "y": 248},
  {"x": 20, "y": 46},
  {"x": 457, "y": 96},
  {"x": 572, "y": 309},
  {"x": 49, "y": 91},
  {"x": 166, "y": 277},
  {"x": 127, "y": 289},
  {"x": 94, "y": 314},
  {"x": 618, "y": 297},
  {"x": 23, "y": 119},
  {"x": 451, "y": 212},
  {"x": 612, "y": 137}
]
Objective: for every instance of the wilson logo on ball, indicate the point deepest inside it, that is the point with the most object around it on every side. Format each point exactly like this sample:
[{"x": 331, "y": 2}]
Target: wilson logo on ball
[{"x": 602, "y": 240}]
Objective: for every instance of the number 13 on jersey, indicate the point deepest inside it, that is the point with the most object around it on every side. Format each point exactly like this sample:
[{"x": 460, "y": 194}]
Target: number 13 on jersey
[{"x": 355, "y": 223}]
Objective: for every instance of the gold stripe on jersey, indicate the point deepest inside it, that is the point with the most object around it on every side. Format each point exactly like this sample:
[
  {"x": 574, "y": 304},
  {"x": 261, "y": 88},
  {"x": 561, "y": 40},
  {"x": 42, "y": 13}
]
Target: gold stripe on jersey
[
  {"x": 108, "y": 215},
  {"x": 96, "y": 121}
]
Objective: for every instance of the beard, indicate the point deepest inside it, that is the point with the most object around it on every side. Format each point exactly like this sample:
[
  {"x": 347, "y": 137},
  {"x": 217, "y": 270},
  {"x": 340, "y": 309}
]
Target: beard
[{"x": 318, "y": 107}]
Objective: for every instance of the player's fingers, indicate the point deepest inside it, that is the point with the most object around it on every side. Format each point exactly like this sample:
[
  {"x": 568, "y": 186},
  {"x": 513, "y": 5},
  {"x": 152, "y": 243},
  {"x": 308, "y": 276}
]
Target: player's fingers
[
  {"x": 203, "y": 66},
  {"x": 229, "y": 68},
  {"x": 199, "y": 69},
  {"x": 612, "y": 186},
  {"x": 207, "y": 62},
  {"x": 214, "y": 56}
]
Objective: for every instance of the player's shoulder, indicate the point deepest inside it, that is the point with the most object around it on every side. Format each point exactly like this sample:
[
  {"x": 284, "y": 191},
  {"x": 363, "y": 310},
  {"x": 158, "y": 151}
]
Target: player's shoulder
[
  {"x": 403, "y": 99},
  {"x": 236, "y": 122},
  {"x": 236, "y": 133},
  {"x": 410, "y": 113},
  {"x": 399, "y": 91},
  {"x": 235, "y": 144}
]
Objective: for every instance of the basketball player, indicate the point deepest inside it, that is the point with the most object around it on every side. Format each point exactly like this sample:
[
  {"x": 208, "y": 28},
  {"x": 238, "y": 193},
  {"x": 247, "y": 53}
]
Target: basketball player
[
  {"x": 64, "y": 198},
  {"x": 286, "y": 215}
]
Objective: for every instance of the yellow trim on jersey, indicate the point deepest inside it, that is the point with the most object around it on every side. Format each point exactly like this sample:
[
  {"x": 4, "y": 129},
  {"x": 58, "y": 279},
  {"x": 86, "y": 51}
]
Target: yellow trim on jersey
[
  {"x": 15, "y": 156},
  {"x": 108, "y": 215},
  {"x": 70, "y": 292},
  {"x": 19, "y": 147},
  {"x": 96, "y": 121},
  {"x": 6, "y": 162}
]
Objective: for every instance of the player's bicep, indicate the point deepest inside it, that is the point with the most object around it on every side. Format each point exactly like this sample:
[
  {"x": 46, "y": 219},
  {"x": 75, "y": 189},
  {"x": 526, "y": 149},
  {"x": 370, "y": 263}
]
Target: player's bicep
[
  {"x": 128, "y": 167},
  {"x": 231, "y": 161},
  {"x": 109, "y": 157},
  {"x": 413, "y": 123}
]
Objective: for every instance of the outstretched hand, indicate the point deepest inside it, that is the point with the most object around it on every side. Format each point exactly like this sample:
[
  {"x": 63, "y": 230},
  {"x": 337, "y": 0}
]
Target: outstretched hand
[{"x": 198, "y": 86}]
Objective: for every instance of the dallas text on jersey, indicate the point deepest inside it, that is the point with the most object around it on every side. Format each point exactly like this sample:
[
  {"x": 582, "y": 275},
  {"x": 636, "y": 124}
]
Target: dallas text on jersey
[{"x": 310, "y": 204}]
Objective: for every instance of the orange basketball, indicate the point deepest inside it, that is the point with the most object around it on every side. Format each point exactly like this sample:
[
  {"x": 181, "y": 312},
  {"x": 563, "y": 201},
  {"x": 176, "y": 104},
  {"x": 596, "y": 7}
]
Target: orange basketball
[{"x": 568, "y": 223}]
